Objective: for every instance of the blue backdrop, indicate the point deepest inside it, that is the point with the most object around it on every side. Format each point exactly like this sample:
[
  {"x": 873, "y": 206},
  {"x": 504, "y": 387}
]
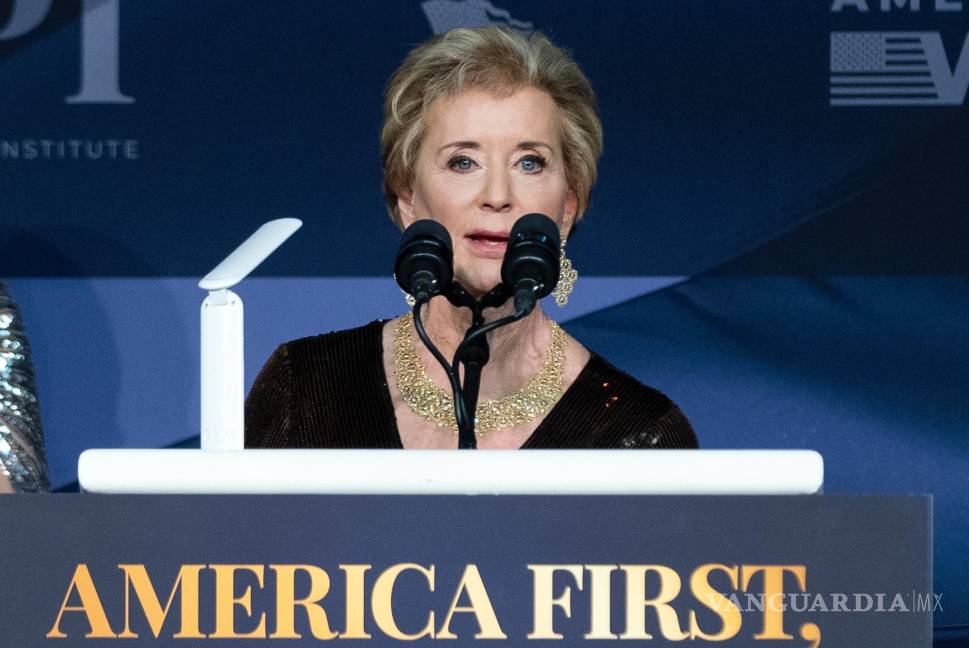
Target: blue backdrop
[{"x": 790, "y": 269}]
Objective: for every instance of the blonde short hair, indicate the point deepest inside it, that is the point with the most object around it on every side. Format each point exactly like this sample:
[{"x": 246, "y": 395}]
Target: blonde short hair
[{"x": 500, "y": 61}]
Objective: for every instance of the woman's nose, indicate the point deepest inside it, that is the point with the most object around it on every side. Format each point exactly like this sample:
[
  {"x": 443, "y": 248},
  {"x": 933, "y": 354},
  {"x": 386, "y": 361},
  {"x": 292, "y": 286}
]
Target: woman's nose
[{"x": 496, "y": 195}]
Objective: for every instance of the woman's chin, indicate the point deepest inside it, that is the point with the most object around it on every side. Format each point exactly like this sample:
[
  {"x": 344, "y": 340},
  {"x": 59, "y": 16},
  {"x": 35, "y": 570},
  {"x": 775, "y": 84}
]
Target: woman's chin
[{"x": 479, "y": 283}]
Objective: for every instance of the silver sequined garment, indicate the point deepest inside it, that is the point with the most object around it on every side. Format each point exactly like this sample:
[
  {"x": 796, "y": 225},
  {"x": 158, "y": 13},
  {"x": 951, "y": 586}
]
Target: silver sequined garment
[{"x": 21, "y": 440}]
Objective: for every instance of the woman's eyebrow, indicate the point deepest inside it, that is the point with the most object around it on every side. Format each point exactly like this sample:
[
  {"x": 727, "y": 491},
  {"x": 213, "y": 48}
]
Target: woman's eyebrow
[
  {"x": 534, "y": 144},
  {"x": 475, "y": 145},
  {"x": 463, "y": 144}
]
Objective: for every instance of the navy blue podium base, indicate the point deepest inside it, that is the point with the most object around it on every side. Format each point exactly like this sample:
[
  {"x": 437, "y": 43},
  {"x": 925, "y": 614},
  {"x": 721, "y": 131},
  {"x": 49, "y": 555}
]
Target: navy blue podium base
[{"x": 91, "y": 570}]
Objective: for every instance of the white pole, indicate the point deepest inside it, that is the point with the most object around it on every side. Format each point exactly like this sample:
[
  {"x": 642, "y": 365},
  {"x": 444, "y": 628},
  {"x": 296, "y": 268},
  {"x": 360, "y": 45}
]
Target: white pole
[{"x": 223, "y": 391}]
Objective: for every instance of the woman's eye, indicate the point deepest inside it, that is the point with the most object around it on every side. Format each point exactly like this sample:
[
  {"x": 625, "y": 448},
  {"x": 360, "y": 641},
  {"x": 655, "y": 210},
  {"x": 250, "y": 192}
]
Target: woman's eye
[
  {"x": 532, "y": 163},
  {"x": 461, "y": 163}
]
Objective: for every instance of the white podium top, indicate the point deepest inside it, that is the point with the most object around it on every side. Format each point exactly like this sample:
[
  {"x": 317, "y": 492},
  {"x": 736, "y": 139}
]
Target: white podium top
[{"x": 412, "y": 472}]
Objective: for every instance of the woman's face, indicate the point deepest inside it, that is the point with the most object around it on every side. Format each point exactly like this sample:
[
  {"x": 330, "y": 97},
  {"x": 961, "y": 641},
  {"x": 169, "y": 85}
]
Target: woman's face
[{"x": 484, "y": 162}]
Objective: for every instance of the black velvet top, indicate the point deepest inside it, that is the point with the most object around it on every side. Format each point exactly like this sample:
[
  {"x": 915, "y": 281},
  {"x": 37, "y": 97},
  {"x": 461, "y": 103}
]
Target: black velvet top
[{"x": 330, "y": 391}]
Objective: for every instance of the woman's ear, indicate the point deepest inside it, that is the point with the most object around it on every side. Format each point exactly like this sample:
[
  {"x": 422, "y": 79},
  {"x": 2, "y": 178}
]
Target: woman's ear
[
  {"x": 571, "y": 212},
  {"x": 405, "y": 206}
]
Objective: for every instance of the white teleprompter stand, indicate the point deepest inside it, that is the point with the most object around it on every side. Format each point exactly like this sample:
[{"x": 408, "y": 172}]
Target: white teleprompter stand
[{"x": 223, "y": 380}]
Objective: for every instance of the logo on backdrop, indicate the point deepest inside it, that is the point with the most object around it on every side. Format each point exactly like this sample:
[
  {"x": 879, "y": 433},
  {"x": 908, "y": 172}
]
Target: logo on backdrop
[
  {"x": 98, "y": 51},
  {"x": 99, "y": 81},
  {"x": 445, "y": 15},
  {"x": 896, "y": 68}
]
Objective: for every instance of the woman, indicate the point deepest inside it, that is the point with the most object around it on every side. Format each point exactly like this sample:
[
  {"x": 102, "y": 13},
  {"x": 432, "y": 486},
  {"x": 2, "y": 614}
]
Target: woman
[
  {"x": 480, "y": 127},
  {"x": 22, "y": 465}
]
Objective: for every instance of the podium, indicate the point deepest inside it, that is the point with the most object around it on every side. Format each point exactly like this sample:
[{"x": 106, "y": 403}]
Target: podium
[
  {"x": 435, "y": 472},
  {"x": 511, "y": 569}
]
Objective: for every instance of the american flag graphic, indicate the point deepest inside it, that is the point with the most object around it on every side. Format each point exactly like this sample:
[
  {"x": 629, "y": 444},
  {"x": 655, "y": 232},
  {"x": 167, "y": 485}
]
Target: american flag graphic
[{"x": 883, "y": 69}]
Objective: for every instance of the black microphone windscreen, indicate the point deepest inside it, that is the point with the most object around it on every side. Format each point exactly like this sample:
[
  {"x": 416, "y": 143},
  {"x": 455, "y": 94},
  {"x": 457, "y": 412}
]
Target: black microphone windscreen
[
  {"x": 425, "y": 256},
  {"x": 536, "y": 226},
  {"x": 426, "y": 229},
  {"x": 532, "y": 253}
]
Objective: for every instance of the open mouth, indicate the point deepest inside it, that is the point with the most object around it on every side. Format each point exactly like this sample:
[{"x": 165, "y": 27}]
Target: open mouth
[
  {"x": 488, "y": 244},
  {"x": 488, "y": 237}
]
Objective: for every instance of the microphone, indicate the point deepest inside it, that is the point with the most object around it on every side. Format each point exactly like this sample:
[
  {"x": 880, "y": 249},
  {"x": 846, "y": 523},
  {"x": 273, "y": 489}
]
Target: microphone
[
  {"x": 530, "y": 268},
  {"x": 425, "y": 260}
]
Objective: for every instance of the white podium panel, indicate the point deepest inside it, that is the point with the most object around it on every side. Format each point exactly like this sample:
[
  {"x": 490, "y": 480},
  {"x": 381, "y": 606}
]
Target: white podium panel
[{"x": 550, "y": 472}]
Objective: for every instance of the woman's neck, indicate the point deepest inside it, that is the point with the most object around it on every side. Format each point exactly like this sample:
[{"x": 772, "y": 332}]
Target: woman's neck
[{"x": 517, "y": 350}]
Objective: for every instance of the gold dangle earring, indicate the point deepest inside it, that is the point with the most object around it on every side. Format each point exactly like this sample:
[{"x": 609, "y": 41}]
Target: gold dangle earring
[{"x": 567, "y": 278}]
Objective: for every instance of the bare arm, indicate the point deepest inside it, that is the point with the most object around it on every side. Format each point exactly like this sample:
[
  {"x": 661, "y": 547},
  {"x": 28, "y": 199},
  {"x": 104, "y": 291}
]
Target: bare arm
[{"x": 5, "y": 485}]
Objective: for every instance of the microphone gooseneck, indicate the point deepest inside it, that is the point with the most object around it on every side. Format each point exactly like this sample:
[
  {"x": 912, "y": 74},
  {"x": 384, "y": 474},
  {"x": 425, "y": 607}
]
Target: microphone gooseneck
[
  {"x": 425, "y": 258},
  {"x": 530, "y": 268},
  {"x": 529, "y": 271},
  {"x": 424, "y": 269},
  {"x": 466, "y": 437}
]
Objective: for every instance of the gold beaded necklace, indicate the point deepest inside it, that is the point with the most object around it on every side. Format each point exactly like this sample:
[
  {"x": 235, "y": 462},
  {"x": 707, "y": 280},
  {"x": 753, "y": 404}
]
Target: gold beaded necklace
[{"x": 437, "y": 405}]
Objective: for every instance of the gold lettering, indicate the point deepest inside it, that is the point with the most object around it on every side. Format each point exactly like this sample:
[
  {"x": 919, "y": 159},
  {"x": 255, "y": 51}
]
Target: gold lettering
[
  {"x": 90, "y": 605},
  {"x": 543, "y": 601},
  {"x": 636, "y": 602},
  {"x": 774, "y": 591},
  {"x": 187, "y": 579},
  {"x": 484, "y": 613},
  {"x": 600, "y": 594},
  {"x": 286, "y": 602},
  {"x": 381, "y": 601},
  {"x": 226, "y": 602},
  {"x": 728, "y": 612},
  {"x": 811, "y": 633},
  {"x": 355, "y": 606}
]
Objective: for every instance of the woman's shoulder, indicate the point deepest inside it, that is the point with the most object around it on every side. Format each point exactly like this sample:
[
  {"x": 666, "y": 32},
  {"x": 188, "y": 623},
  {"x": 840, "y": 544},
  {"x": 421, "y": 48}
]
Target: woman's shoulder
[
  {"x": 612, "y": 409},
  {"x": 621, "y": 385},
  {"x": 345, "y": 342},
  {"x": 320, "y": 391}
]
